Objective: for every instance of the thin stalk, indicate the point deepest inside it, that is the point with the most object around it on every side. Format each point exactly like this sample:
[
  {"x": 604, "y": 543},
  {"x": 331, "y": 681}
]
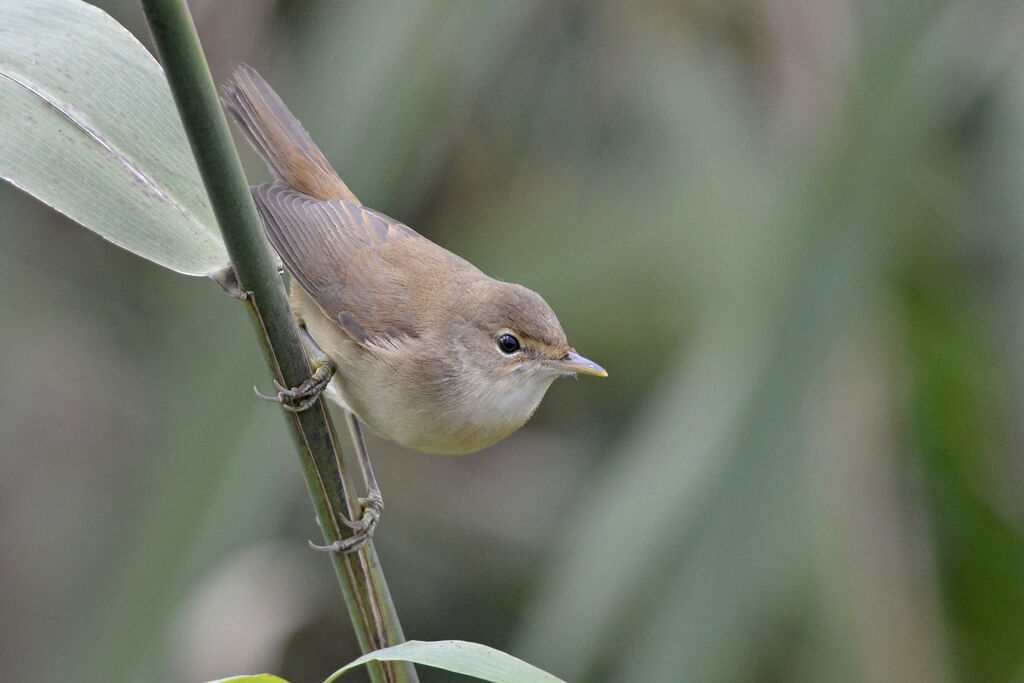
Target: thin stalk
[{"x": 362, "y": 581}]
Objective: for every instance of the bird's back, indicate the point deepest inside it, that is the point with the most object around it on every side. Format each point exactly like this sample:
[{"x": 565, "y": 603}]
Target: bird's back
[{"x": 364, "y": 270}]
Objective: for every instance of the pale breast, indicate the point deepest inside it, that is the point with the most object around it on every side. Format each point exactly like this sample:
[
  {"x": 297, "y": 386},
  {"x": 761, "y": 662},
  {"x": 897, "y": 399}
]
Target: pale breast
[{"x": 424, "y": 412}]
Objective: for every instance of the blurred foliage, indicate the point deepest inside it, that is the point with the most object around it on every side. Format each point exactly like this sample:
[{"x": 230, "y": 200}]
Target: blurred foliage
[{"x": 791, "y": 232}]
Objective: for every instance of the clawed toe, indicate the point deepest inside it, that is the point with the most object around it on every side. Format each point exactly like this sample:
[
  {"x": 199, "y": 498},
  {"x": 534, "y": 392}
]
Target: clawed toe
[
  {"x": 300, "y": 398},
  {"x": 362, "y": 528}
]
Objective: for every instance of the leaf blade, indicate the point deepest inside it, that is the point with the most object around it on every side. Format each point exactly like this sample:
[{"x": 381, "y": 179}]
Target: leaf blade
[
  {"x": 90, "y": 129},
  {"x": 457, "y": 656},
  {"x": 251, "y": 678}
]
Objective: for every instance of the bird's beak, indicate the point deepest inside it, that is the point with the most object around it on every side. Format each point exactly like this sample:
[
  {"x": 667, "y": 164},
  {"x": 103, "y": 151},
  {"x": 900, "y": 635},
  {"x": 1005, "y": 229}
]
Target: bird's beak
[{"x": 574, "y": 363}]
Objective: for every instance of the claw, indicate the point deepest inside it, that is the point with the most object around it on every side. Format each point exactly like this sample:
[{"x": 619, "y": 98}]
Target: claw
[
  {"x": 362, "y": 529},
  {"x": 302, "y": 397},
  {"x": 344, "y": 546},
  {"x": 265, "y": 397}
]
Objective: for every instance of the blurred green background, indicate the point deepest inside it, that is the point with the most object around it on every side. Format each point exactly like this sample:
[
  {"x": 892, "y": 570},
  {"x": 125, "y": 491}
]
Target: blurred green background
[{"x": 791, "y": 232}]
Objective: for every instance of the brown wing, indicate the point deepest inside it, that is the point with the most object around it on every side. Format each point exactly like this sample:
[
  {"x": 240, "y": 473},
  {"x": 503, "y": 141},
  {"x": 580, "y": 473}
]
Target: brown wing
[
  {"x": 367, "y": 272},
  {"x": 364, "y": 270}
]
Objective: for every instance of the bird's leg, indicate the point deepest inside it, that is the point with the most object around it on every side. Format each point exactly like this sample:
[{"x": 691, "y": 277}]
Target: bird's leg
[
  {"x": 300, "y": 398},
  {"x": 373, "y": 503},
  {"x": 304, "y": 396}
]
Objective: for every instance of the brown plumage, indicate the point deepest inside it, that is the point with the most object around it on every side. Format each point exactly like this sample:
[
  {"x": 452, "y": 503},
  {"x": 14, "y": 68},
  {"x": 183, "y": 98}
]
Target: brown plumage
[{"x": 411, "y": 326}]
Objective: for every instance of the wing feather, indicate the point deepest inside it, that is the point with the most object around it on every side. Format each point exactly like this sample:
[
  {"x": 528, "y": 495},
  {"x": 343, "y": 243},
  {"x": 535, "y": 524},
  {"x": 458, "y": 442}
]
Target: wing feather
[{"x": 343, "y": 255}]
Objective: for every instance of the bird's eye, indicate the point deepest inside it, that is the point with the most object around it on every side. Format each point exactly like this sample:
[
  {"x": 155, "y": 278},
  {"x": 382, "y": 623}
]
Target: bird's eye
[{"x": 508, "y": 344}]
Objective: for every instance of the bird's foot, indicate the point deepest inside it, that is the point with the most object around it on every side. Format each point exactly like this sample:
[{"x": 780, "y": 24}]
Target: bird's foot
[
  {"x": 297, "y": 399},
  {"x": 362, "y": 528}
]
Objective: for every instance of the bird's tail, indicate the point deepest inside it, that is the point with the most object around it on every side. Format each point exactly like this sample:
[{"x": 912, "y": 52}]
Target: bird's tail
[{"x": 279, "y": 138}]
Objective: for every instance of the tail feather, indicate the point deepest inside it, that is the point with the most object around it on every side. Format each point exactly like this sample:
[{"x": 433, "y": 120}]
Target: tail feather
[{"x": 279, "y": 138}]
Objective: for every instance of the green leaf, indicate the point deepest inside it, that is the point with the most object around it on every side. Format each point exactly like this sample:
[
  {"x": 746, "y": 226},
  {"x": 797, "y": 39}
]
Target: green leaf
[
  {"x": 88, "y": 126},
  {"x": 253, "y": 678},
  {"x": 457, "y": 656}
]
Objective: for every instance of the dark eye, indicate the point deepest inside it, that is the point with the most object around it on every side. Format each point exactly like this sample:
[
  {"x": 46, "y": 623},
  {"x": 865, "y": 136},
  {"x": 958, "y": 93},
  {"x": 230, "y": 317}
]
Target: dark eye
[{"x": 508, "y": 344}]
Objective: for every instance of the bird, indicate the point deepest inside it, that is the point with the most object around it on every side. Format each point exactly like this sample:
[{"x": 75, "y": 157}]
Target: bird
[{"x": 412, "y": 340}]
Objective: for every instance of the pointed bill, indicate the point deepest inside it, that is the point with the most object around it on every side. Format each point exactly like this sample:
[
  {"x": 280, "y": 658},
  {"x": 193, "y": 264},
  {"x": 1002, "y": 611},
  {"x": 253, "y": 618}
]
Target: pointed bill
[{"x": 574, "y": 363}]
